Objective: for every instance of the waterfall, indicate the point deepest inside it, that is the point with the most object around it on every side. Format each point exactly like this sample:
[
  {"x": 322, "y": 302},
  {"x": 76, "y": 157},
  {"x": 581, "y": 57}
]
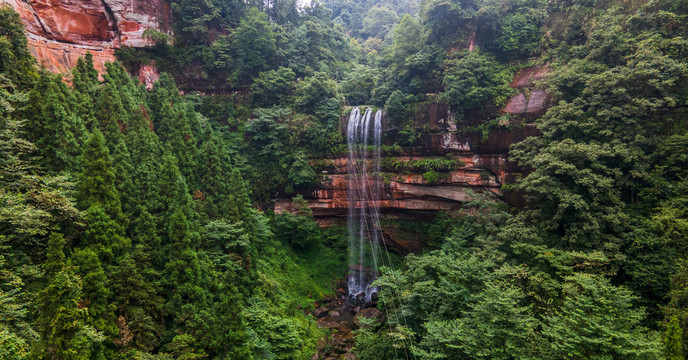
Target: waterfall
[{"x": 364, "y": 192}]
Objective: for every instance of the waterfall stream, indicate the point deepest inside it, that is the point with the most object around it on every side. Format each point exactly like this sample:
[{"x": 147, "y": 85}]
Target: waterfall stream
[{"x": 364, "y": 193}]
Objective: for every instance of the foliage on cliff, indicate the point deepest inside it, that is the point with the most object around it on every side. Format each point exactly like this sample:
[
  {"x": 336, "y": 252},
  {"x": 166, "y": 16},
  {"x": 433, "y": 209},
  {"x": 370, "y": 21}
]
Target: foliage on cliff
[
  {"x": 600, "y": 236},
  {"x": 127, "y": 231},
  {"x": 127, "y": 220}
]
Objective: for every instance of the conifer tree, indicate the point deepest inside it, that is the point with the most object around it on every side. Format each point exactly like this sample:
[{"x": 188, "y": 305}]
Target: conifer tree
[
  {"x": 104, "y": 236},
  {"x": 183, "y": 277},
  {"x": 129, "y": 93},
  {"x": 146, "y": 153},
  {"x": 96, "y": 292},
  {"x": 85, "y": 83},
  {"x": 172, "y": 195},
  {"x": 16, "y": 61},
  {"x": 54, "y": 257},
  {"x": 219, "y": 201},
  {"x": 12, "y": 306},
  {"x": 97, "y": 180},
  {"x": 111, "y": 114},
  {"x": 85, "y": 76},
  {"x": 124, "y": 169},
  {"x": 673, "y": 340},
  {"x": 61, "y": 321},
  {"x": 165, "y": 188},
  {"x": 232, "y": 334},
  {"x": 144, "y": 235},
  {"x": 137, "y": 294},
  {"x": 164, "y": 93},
  {"x": 177, "y": 126},
  {"x": 53, "y": 125}
]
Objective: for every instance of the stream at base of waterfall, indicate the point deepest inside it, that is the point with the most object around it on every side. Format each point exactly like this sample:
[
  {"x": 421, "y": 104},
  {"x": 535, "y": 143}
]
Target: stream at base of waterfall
[{"x": 364, "y": 192}]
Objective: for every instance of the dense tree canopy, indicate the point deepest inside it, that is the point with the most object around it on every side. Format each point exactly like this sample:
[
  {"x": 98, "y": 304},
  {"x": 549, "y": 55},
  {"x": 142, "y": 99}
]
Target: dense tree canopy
[{"x": 138, "y": 224}]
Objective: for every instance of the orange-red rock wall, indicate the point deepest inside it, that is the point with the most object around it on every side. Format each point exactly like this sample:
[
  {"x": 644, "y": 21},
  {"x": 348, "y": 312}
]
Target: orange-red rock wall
[
  {"x": 61, "y": 31},
  {"x": 484, "y": 159},
  {"x": 60, "y": 58},
  {"x": 529, "y": 99}
]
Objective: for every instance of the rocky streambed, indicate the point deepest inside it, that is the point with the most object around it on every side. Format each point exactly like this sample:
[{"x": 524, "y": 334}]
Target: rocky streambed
[{"x": 342, "y": 319}]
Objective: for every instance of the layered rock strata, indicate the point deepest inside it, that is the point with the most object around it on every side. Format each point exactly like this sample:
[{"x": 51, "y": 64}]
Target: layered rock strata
[
  {"x": 480, "y": 156},
  {"x": 482, "y": 166}
]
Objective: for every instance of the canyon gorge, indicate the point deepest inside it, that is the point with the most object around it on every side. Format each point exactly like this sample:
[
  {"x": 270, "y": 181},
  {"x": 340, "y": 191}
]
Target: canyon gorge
[
  {"x": 61, "y": 31},
  {"x": 336, "y": 179}
]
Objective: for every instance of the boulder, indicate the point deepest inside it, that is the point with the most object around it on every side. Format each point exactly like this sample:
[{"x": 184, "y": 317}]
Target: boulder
[
  {"x": 328, "y": 324},
  {"x": 320, "y": 312},
  {"x": 344, "y": 327},
  {"x": 369, "y": 313}
]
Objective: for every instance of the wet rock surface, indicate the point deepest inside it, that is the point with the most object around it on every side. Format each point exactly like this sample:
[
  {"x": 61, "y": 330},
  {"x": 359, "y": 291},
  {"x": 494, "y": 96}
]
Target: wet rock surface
[
  {"x": 370, "y": 313},
  {"x": 483, "y": 161},
  {"x": 342, "y": 318}
]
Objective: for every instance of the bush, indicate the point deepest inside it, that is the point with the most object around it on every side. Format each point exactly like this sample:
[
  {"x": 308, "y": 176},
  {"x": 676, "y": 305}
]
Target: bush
[
  {"x": 399, "y": 107},
  {"x": 357, "y": 85},
  {"x": 431, "y": 176},
  {"x": 475, "y": 81},
  {"x": 273, "y": 87},
  {"x": 299, "y": 230}
]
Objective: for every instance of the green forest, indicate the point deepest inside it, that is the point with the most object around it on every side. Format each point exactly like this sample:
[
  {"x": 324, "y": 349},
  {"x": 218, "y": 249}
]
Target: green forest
[{"x": 137, "y": 224}]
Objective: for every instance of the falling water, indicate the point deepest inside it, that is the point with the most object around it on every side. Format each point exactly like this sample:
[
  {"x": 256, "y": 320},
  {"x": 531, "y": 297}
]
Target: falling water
[{"x": 365, "y": 189}]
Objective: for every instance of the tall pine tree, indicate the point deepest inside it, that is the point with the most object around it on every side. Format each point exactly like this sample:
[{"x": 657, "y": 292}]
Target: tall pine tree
[
  {"x": 61, "y": 321},
  {"x": 97, "y": 180},
  {"x": 53, "y": 125}
]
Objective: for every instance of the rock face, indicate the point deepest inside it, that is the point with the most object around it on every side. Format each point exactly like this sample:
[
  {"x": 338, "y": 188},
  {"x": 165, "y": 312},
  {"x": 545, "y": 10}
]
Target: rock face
[
  {"x": 529, "y": 100},
  {"x": 482, "y": 165},
  {"x": 61, "y": 31}
]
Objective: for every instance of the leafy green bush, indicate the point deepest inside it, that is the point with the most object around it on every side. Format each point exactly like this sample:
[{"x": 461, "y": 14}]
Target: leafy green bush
[
  {"x": 409, "y": 136},
  {"x": 357, "y": 85},
  {"x": 446, "y": 164},
  {"x": 298, "y": 230},
  {"x": 512, "y": 29},
  {"x": 300, "y": 173},
  {"x": 273, "y": 87},
  {"x": 156, "y": 37},
  {"x": 315, "y": 93},
  {"x": 437, "y": 164},
  {"x": 475, "y": 81},
  {"x": 399, "y": 107},
  {"x": 431, "y": 176},
  {"x": 388, "y": 150},
  {"x": 372, "y": 344}
]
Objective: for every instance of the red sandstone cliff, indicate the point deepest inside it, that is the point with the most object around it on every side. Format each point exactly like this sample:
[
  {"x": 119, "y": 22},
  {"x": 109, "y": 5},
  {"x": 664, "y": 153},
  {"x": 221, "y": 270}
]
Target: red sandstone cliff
[
  {"x": 61, "y": 31},
  {"x": 408, "y": 196},
  {"x": 485, "y": 165}
]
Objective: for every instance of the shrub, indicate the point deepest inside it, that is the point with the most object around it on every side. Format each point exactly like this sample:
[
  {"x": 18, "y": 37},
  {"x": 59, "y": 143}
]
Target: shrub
[{"x": 431, "y": 176}]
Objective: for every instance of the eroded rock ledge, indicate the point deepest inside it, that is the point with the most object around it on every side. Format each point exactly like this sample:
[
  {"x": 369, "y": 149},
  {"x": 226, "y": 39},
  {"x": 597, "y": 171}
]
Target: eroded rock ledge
[{"x": 481, "y": 159}]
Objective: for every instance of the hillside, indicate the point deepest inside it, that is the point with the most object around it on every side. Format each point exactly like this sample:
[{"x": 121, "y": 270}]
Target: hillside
[{"x": 222, "y": 179}]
